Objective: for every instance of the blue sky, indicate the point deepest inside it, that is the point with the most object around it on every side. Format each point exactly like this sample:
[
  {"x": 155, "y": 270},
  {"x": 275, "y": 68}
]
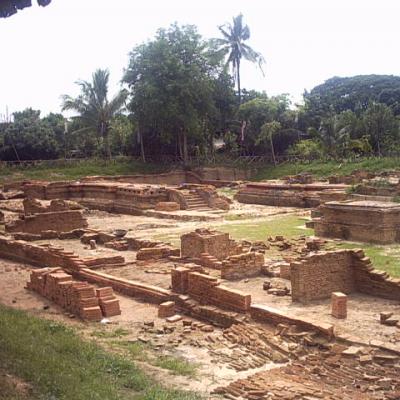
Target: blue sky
[{"x": 45, "y": 50}]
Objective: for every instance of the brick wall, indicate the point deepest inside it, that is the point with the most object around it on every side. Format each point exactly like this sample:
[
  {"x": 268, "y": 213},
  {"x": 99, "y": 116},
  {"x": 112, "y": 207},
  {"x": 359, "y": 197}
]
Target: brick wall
[
  {"x": 62, "y": 221},
  {"x": 208, "y": 290},
  {"x": 319, "y": 274},
  {"x": 242, "y": 265}
]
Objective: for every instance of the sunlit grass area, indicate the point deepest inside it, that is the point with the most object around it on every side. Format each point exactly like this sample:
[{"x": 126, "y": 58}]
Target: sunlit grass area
[
  {"x": 60, "y": 365},
  {"x": 288, "y": 226}
]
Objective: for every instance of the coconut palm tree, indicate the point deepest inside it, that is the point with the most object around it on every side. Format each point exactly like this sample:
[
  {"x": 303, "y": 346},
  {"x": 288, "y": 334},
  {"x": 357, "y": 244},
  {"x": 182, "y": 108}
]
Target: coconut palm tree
[
  {"x": 232, "y": 45},
  {"x": 94, "y": 110}
]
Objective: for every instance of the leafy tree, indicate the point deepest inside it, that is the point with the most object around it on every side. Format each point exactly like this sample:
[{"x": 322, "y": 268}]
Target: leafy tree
[
  {"x": 173, "y": 89},
  {"x": 233, "y": 46},
  {"x": 260, "y": 111},
  {"x": 309, "y": 149},
  {"x": 380, "y": 124},
  {"x": 95, "y": 111},
  {"x": 29, "y": 137},
  {"x": 268, "y": 130},
  {"x": 351, "y": 93}
]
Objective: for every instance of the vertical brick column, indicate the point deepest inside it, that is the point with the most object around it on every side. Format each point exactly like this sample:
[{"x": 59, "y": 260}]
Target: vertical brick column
[{"x": 339, "y": 305}]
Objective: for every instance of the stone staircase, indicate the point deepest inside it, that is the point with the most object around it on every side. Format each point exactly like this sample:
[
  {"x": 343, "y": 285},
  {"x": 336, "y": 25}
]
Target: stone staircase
[{"x": 195, "y": 202}]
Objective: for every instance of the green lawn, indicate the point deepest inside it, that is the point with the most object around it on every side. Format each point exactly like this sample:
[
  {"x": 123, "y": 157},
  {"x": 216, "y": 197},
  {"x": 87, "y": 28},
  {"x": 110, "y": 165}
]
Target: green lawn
[
  {"x": 323, "y": 169},
  {"x": 60, "y": 365},
  {"x": 288, "y": 226}
]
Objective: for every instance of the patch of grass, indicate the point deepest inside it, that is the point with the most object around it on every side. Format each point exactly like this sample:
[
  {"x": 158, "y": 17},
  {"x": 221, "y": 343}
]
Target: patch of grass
[
  {"x": 140, "y": 351},
  {"x": 137, "y": 350},
  {"x": 386, "y": 258},
  {"x": 107, "y": 334},
  {"x": 323, "y": 169},
  {"x": 60, "y": 365},
  {"x": 288, "y": 226},
  {"x": 176, "y": 365},
  {"x": 77, "y": 170}
]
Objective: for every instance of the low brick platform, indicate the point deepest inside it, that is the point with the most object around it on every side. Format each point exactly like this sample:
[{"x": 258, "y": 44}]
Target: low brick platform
[{"x": 362, "y": 221}]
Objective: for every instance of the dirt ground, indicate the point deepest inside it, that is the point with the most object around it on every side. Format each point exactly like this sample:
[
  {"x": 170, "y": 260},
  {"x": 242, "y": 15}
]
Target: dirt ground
[{"x": 221, "y": 358}]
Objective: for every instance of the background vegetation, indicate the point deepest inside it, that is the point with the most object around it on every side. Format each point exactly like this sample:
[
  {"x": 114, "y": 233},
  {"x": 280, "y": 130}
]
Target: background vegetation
[{"x": 181, "y": 97}]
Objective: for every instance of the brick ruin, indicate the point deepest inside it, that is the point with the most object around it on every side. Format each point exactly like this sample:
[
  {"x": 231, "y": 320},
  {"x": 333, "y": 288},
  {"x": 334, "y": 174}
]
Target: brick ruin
[
  {"x": 58, "y": 221},
  {"x": 35, "y": 206},
  {"x": 318, "y": 275},
  {"x": 284, "y": 194},
  {"x": 214, "y": 243},
  {"x": 216, "y": 250},
  {"x": 364, "y": 221},
  {"x": 129, "y": 198}
]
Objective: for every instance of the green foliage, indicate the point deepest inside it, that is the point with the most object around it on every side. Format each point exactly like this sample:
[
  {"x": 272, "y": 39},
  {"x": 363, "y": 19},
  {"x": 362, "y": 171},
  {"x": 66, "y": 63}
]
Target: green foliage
[
  {"x": 328, "y": 168},
  {"x": 176, "y": 89},
  {"x": 60, "y": 365},
  {"x": 232, "y": 46},
  {"x": 29, "y": 137},
  {"x": 95, "y": 111},
  {"x": 308, "y": 149},
  {"x": 351, "y": 93},
  {"x": 264, "y": 115}
]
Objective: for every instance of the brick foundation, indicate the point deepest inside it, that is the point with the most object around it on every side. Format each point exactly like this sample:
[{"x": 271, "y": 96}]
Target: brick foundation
[{"x": 60, "y": 221}]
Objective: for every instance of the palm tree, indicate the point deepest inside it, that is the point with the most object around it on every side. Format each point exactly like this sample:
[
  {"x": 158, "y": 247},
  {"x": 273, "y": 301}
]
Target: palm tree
[
  {"x": 232, "y": 45},
  {"x": 94, "y": 110}
]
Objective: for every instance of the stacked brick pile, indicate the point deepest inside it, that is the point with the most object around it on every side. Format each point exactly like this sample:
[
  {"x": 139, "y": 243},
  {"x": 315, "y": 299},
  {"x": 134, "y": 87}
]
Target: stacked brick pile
[
  {"x": 78, "y": 298},
  {"x": 109, "y": 304},
  {"x": 242, "y": 265},
  {"x": 207, "y": 290}
]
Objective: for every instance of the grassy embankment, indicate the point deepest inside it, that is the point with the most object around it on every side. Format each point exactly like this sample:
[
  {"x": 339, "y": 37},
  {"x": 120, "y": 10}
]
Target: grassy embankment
[
  {"x": 77, "y": 170},
  {"x": 58, "y": 364},
  {"x": 99, "y": 167},
  {"x": 323, "y": 169}
]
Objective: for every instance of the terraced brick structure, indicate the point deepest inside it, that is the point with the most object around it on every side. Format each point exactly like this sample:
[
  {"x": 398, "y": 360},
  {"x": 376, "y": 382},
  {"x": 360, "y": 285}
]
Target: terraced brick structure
[{"x": 362, "y": 221}]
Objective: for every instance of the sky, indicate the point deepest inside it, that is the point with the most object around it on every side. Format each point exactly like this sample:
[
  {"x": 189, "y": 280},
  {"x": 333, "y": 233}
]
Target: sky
[{"x": 44, "y": 51}]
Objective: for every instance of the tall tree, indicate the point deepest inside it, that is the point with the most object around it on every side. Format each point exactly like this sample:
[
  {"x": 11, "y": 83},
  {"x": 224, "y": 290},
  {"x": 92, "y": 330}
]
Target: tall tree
[
  {"x": 233, "y": 46},
  {"x": 95, "y": 111},
  {"x": 171, "y": 82}
]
